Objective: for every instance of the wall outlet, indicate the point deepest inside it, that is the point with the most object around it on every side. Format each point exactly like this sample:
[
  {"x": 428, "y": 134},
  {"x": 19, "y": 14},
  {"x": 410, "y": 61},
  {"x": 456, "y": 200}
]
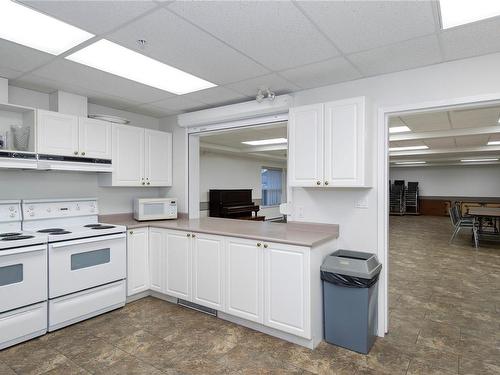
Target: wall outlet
[{"x": 361, "y": 203}]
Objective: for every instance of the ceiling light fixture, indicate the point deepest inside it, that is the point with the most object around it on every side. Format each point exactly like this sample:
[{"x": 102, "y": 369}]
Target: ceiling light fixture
[
  {"x": 478, "y": 160},
  {"x": 409, "y": 162},
  {"x": 25, "y": 26},
  {"x": 399, "y": 129},
  {"x": 265, "y": 94},
  {"x": 263, "y": 142},
  {"x": 408, "y": 148},
  {"x": 455, "y": 13},
  {"x": 493, "y": 143},
  {"x": 115, "y": 59}
]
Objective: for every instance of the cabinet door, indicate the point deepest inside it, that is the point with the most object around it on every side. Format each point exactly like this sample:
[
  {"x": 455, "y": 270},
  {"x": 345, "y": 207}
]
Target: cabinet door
[
  {"x": 57, "y": 134},
  {"x": 137, "y": 261},
  {"x": 157, "y": 265},
  {"x": 128, "y": 156},
  {"x": 178, "y": 261},
  {"x": 287, "y": 289},
  {"x": 94, "y": 138},
  {"x": 208, "y": 265},
  {"x": 158, "y": 158},
  {"x": 344, "y": 142},
  {"x": 305, "y": 146},
  {"x": 244, "y": 291}
]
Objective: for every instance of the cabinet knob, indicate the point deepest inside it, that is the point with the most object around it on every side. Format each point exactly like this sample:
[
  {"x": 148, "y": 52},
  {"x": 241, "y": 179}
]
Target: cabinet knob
[
  {"x": 188, "y": 235},
  {"x": 76, "y": 152},
  {"x": 259, "y": 244},
  {"x": 318, "y": 183},
  {"x": 142, "y": 178},
  {"x": 326, "y": 182},
  {"x": 83, "y": 153},
  {"x": 148, "y": 183},
  {"x": 143, "y": 183},
  {"x": 131, "y": 232},
  {"x": 193, "y": 235},
  {"x": 265, "y": 246}
]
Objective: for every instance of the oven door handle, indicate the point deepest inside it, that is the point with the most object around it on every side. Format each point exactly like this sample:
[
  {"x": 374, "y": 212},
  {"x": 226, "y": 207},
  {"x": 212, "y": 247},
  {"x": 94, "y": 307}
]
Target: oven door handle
[
  {"x": 23, "y": 250},
  {"x": 87, "y": 240}
]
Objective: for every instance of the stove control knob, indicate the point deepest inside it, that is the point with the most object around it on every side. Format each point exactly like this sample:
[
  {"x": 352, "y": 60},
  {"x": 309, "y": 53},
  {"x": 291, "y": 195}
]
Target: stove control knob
[
  {"x": 12, "y": 214},
  {"x": 31, "y": 208},
  {"x": 49, "y": 209},
  {"x": 32, "y": 214},
  {"x": 11, "y": 208}
]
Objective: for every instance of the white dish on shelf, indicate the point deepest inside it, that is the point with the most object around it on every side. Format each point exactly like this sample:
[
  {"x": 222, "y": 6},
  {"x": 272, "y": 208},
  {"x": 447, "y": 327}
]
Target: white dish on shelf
[{"x": 109, "y": 118}]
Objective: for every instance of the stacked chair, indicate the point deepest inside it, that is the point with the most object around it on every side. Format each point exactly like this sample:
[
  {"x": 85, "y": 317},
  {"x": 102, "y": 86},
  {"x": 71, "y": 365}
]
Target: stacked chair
[{"x": 403, "y": 200}]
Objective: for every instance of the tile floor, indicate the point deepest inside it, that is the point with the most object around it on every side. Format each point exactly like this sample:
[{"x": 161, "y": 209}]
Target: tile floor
[{"x": 444, "y": 319}]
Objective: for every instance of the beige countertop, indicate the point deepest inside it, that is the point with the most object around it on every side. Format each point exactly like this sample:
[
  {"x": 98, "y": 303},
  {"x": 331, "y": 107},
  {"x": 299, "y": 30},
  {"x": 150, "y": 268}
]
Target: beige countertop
[{"x": 293, "y": 233}]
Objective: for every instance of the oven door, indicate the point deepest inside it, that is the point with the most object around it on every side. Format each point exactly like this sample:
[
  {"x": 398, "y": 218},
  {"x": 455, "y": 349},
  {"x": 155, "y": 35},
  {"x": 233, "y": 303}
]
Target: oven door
[
  {"x": 81, "y": 264},
  {"x": 23, "y": 276}
]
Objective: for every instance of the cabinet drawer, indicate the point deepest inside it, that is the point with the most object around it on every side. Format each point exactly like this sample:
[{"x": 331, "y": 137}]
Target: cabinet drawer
[{"x": 23, "y": 324}]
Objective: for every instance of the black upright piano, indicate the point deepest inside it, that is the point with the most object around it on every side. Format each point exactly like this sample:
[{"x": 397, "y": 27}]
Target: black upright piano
[{"x": 233, "y": 204}]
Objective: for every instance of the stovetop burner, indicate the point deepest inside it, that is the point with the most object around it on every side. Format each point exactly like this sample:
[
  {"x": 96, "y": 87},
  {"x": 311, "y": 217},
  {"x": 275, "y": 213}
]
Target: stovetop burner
[
  {"x": 18, "y": 237},
  {"x": 60, "y": 232},
  {"x": 51, "y": 230},
  {"x": 10, "y": 234},
  {"x": 103, "y": 227},
  {"x": 92, "y": 225}
]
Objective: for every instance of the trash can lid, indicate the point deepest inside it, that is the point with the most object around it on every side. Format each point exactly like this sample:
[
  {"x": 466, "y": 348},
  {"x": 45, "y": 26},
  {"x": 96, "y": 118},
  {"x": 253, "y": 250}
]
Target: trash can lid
[{"x": 352, "y": 263}]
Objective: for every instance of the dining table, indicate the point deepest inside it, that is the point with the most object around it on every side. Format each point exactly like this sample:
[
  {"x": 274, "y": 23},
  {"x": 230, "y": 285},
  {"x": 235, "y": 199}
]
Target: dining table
[{"x": 486, "y": 223}]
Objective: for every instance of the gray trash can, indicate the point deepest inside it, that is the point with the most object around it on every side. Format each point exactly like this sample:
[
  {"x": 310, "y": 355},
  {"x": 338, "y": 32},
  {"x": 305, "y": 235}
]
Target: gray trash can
[{"x": 350, "y": 299}]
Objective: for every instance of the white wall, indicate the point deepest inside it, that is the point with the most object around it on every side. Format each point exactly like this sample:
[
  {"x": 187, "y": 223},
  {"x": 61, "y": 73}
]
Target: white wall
[
  {"x": 453, "y": 181},
  {"x": 24, "y": 184},
  {"x": 220, "y": 171}
]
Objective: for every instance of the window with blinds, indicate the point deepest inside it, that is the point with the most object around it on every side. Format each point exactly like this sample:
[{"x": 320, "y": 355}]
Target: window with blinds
[{"x": 272, "y": 186}]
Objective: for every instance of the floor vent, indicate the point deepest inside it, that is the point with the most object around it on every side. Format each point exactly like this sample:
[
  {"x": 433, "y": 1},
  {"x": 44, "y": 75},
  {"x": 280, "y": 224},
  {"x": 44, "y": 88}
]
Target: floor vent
[{"x": 195, "y": 306}]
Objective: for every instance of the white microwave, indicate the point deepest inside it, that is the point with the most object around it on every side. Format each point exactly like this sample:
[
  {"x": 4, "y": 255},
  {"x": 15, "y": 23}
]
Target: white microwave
[{"x": 155, "y": 208}]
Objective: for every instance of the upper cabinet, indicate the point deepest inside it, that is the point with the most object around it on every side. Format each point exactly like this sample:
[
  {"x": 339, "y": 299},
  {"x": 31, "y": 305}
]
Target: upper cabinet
[
  {"x": 327, "y": 144},
  {"x": 141, "y": 157},
  {"x": 66, "y": 135}
]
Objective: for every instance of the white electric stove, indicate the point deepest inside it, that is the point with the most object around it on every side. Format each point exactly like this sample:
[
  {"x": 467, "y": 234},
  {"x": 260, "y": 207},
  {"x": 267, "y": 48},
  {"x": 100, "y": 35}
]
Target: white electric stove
[
  {"x": 23, "y": 278},
  {"x": 86, "y": 259}
]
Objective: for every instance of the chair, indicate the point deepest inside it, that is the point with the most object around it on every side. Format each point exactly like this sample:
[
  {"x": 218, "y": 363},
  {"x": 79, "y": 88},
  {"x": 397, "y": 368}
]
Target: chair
[{"x": 459, "y": 222}]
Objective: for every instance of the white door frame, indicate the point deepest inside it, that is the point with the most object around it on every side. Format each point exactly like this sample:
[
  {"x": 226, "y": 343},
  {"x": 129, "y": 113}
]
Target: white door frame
[{"x": 383, "y": 178}]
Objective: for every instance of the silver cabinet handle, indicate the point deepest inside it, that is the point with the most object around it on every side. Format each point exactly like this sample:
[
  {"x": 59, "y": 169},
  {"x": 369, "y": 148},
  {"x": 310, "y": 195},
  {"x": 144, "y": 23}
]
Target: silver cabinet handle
[
  {"x": 188, "y": 235},
  {"x": 76, "y": 152},
  {"x": 326, "y": 182},
  {"x": 259, "y": 244},
  {"x": 318, "y": 183},
  {"x": 265, "y": 246},
  {"x": 193, "y": 235},
  {"x": 83, "y": 153}
]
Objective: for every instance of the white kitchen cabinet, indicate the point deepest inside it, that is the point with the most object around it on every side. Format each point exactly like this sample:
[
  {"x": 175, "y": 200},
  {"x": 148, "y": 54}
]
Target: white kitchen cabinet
[
  {"x": 208, "y": 270},
  {"x": 287, "y": 288},
  {"x": 327, "y": 144},
  {"x": 305, "y": 145},
  {"x": 94, "y": 139},
  {"x": 137, "y": 261},
  {"x": 244, "y": 279},
  {"x": 66, "y": 135},
  {"x": 57, "y": 134},
  {"x": 178, "y": 261},
  {"x": 158, "y": 158},
  {"x": 141, "y": 157},
  {"x": 157, "y": 259}
]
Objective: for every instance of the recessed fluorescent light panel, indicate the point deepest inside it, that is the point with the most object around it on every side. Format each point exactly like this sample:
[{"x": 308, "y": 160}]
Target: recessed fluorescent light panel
[
  {"x": 399, "y": 129},
  {"x": 30, "y": 28},
  {"x": 460, "y": 12},
  {"x": 493, "y": 143},
  {"x": 115, "y": 59},
  {"x": 264, "y": 142},
  {"x": 477, "y": 160},
  {"x": 408, "y": 148},
  {"x": 410, "y": 162}
]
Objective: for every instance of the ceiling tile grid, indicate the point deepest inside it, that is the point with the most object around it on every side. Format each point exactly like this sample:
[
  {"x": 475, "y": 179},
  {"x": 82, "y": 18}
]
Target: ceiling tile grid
[
  {"x": 273, "y": 81},
  {"x": 430, "y": 121}
]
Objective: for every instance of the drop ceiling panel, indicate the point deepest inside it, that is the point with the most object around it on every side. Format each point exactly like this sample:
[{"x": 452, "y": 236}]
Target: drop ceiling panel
[
  {"x": 217, "y": 96},
  {"x": 9, "y": 73},
  {"x": 406, "y": 143},
  {"x": 400, "y": 56},
  {"x": 430, "y": 121},
  {"x": 494, "y": 137},
  {"x": 323, "y": 73},
  {"x": 472, "y": 140},
  {"x": 360, "y": 25},
  {"x": 80, "y": 75},
  {"x": 151, "y": 110},
  {"x": 440, "y": 143},
  {"x": 396, "y": 121},
  {"x": 474, "y": 118},
  {"x": 478, "y": 38},
  {"x": 94, "y": 16},
  {"x": 179, "y": 104},
  {"x": 275, "y": 82},
  {"x": 233, "y": 139},
  {"x": 275, "y": 33},
  {"x": 20, "y": 58},
  {"x": 176, "y": 42}
]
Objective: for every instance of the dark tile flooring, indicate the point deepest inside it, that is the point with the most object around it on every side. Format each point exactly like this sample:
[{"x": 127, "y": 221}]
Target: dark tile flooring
[{"x": 444, "y": 319}]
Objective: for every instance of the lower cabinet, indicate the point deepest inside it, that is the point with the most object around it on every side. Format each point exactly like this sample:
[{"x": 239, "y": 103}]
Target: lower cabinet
[
  {"x": 137, "y": 261},
  {"x": 178, "y": 264},
  {"x": 244, "y": 275},
  {"x": 287, "y": 289},
  {"x": 157, "y": 259}
]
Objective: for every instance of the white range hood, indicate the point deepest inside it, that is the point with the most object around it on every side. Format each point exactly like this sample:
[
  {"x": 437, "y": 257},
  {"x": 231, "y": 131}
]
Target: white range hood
[{"x": 64, "y": 163}]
